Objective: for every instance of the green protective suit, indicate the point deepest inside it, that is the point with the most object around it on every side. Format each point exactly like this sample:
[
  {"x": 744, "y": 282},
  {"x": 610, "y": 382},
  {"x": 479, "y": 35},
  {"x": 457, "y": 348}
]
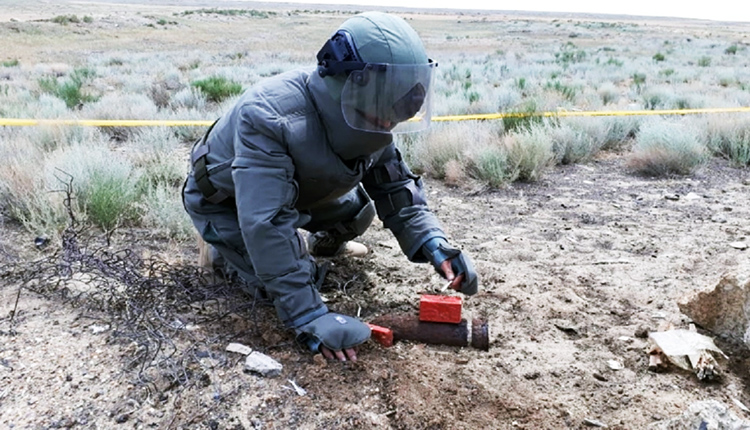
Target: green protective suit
[{"x": 286, "y": 159}]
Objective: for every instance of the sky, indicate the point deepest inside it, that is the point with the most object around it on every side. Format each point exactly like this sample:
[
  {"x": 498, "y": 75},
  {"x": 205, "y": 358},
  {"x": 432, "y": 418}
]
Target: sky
[{"x": 718, "y": 10}]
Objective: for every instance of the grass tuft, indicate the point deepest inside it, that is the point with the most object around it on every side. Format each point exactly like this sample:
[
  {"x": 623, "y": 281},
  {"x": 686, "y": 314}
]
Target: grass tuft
[
  {"x": 665, "y": 148},
  {"x": 217, "y": 88}
]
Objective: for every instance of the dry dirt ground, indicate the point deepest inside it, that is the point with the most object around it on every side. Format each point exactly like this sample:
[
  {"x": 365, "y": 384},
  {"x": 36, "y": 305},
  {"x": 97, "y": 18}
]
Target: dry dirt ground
[{"x": 574, "y": 271}]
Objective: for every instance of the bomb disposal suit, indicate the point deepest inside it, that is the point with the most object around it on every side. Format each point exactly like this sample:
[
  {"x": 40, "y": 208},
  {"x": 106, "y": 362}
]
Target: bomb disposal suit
[{"x": 314, "y": 150}]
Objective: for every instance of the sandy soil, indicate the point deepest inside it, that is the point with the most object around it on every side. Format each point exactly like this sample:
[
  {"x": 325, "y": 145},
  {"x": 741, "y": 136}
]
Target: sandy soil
[{"x": 575, "y": 270}]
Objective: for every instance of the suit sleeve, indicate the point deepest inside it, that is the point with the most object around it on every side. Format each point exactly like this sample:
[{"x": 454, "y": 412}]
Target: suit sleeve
[
  {"x": 265, "y": 190},
  {"x": 401, "y": 205}
]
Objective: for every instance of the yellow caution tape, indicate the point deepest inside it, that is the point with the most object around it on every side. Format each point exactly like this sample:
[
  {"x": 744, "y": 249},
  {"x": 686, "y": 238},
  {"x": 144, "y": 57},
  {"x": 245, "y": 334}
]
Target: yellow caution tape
[
  {"x": 104, "y": 122},
  {"x": 476, "y": 117},
  {"x": 564, "y": 113}
]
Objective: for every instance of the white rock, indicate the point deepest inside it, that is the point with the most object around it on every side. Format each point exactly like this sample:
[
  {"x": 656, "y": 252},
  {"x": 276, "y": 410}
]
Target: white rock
[
  {"x": 692, "y": 196},
  {"x": 239, "y": 348},
  {"x": 615, "y": 365},
  {"x": 709, "y": 414},
  {"x": 262, "y": 364},
  {"x": 96, "y": 329},
  {"x": 738, "y": 245}
]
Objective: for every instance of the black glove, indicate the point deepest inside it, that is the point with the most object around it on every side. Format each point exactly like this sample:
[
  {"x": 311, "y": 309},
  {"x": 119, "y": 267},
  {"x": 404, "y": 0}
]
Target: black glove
[{"x": 437, "y": 250}]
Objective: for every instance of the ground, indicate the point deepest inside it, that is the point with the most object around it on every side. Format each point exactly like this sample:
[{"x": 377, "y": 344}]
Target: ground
[{"x": 574, "y": 271}]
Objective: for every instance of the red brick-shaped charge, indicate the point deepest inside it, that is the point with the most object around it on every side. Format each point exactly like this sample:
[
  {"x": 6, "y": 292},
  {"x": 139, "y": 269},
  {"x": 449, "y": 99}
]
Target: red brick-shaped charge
[
  {"x": 444, "y": 309},
  {"x": 382, "y": 335}
]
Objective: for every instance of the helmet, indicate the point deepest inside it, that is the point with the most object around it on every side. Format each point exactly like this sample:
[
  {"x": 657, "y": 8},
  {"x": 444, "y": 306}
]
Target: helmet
[{"x": 376, "y": 65}]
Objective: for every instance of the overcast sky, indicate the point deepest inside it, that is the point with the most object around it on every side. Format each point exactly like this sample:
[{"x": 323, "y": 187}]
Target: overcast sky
[{"x": 720, "y": 10}]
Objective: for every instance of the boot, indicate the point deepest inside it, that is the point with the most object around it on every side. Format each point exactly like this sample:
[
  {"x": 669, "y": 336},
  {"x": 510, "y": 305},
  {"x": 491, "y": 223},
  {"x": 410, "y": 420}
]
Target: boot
[{"x": 323, "y": 244}]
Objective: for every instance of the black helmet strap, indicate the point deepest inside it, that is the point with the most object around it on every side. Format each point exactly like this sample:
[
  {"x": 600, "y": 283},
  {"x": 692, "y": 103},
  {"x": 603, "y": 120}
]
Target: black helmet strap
[{"x": 339, "y": 56}]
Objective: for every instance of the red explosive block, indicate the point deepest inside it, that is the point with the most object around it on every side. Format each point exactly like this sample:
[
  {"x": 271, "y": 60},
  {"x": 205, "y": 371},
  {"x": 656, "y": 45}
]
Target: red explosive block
[
  {"x": 382, "y": 335},
  {"x": 445, "y": 309}
]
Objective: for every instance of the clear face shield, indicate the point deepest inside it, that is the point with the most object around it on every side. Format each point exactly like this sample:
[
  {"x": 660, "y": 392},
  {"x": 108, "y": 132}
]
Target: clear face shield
[{"x": 389, "y": 98}]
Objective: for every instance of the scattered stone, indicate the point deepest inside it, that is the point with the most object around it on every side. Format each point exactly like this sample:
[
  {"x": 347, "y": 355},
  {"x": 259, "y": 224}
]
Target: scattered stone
[
  {"x": 641, "y": 332},
  {"x": 262, "y": 364},
  {"x": 719, "y": 218},
  {"x": 739, "y": 245},
  {"x": 673, "y": 197},
  {"x": 97, "y": 329},
  {"x": 692, "y": 196},
  {"x": 615, "y": 365},
  {"x": 708, "y": 414},
  {"x": 600, "y": 377},
  {"x": 724, "y": 309},
  {"x": 299, "y": 390},
  {"x": 594, "y": 423},
  {"x": 239, "y": 348}
]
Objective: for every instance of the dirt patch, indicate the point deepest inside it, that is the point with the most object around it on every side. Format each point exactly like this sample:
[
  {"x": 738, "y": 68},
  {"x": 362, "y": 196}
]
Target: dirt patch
[{"x": 574, "y": 270}]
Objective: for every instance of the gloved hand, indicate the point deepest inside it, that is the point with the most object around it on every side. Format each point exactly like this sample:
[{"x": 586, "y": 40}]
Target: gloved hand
[
  {"x": 334, "y": 332},
  {"x": 437, "y": 250}
]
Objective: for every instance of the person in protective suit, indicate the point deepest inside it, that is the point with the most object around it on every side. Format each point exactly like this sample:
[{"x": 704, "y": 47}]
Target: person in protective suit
[{"x": 313, "y": 150}]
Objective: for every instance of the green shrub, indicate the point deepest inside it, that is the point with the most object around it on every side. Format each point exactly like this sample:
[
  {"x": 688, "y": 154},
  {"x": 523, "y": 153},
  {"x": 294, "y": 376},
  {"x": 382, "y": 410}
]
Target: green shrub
[
  {"x": 639, "y": 79},
  {"x": 65, "y": 19},
  {"x": 658, "y": 57},
  {"x": 217, "y": 88},
  {"x": 163, "y": 212},
  {"x": 104, "y": 182},
  {"x": 522, "y": 118},
  {"x": 529, "y": 153},
  {"x": 25, "y": 194},
  {"x": 232, "y": 12},
  {"x": 569, "y": 92},
  {"x": 71, "y": 89},
  {"x": 608, "y": 92},
  {"x": 666, "y": 147},
  {"x": 87, "y": 19},
  {"x": 490, "y": 165},
  {"x": 11, "y": 63},
  {"x": 731, "y": 50},
  {"x": 571, "y": 144},
  {"x": 704, "y": 62},
  {"x": 611, "y": 61},
  {"x": 729, "y": 137},
  {"x": 109, "y": 199}
]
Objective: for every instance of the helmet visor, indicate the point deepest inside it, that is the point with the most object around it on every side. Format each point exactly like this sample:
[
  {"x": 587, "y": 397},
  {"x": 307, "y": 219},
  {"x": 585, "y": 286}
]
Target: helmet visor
[{"x": 389, "y": 98}]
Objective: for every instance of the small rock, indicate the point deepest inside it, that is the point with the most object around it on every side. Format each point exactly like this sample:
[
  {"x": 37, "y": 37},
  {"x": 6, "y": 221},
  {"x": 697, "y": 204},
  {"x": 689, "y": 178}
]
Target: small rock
[
  {"x": 641, "y": 332},
  {"x": 708, "y": 414},
  {"x": 600, "y": 377},
  {"x": 97, "y": 329},
  {"x": 692, "y": 196},
  {"x": 615, "y": 365},
  {"x": 262, "y": 364},
  {"x": 738, "y": 245},
  {"x": 719, "y": 218},
  {"x": 673, "y": 197},
  {"x": 594, "y": 423},
  {"x": 239, "y": 348}
]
